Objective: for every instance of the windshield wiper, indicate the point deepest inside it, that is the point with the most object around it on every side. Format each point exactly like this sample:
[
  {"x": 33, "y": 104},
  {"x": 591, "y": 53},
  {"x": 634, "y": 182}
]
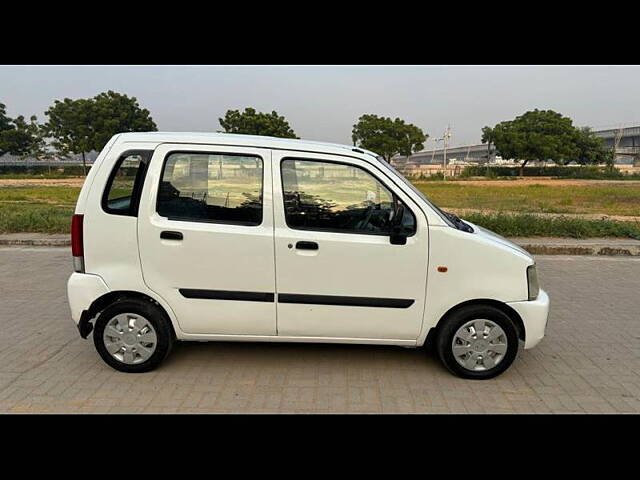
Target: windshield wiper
[{"x": 459, "y": 224}]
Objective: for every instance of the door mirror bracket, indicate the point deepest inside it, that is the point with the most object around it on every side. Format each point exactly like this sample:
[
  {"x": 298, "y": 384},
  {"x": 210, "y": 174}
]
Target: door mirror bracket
[{"x": 398, "y": 235}]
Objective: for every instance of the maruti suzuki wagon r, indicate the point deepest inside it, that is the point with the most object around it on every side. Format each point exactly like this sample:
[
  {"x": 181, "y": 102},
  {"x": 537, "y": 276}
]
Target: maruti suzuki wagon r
[{"x": 221, "y": 237}]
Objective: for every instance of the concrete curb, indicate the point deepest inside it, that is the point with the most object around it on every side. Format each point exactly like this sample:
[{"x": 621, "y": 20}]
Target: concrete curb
[{"x": 547, "y": 246}]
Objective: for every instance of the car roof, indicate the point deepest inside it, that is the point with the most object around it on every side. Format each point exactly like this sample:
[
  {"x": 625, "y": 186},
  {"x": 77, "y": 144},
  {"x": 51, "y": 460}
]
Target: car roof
[{"x": 236, "y": 139}]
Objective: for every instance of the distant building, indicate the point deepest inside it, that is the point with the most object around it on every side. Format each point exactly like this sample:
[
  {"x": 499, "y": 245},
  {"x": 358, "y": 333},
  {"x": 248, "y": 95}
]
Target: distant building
[{"x": 627, "y": 152}]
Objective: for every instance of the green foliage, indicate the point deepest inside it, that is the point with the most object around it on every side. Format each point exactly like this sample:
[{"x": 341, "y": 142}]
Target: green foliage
[
  {"x": 387, "y": 137},
  {"x": 6, "y": 124},
  {"x": 488, "y": 137},
  {"x": 536, "y": 135},
  {"x": 588, "y": 172},
  {"x": 115, "y": 113},
  {"x": 591, "y": 149},
  {"x": 25, "y": 139},
  {"x": 82, "y": 125},
  {"x": 70, "y": 125},
  {"x": 527, "y": 225},
  {"x": 251, "y": 122}
]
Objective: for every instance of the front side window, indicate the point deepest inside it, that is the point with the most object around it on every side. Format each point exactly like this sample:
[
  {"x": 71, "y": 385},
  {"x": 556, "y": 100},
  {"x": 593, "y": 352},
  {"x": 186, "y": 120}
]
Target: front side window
[
  {"x": 218, "y": 188},
  {"x": 337, "y": 197},
  {"x": 119, "y": 197}
]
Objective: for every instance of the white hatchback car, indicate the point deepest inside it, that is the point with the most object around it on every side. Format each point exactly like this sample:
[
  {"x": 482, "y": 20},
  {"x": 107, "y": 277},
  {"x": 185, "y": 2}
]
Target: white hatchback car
[{"x": 205, "y": 236}]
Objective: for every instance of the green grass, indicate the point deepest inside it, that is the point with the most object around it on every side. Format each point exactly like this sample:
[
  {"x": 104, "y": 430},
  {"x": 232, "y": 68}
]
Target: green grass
[
  {"x": 527, "y": 225},
  {"x": 35, "y": 218},
  {"x": 37, "y": 209},
  {"x": 600, "y": 198},
  {"x": 48, "y": 209},
  {"x": 50, "y": 195}
]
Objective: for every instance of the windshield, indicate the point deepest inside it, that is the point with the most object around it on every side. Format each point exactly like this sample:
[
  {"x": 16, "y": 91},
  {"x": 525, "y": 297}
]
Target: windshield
[{"x": 442, "y": 214}]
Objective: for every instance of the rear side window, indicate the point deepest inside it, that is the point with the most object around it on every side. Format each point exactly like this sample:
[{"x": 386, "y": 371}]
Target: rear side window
[
  {"x": 337, "y": 197},
  {"x": 121, "y": 196},
  {"x": 217, "y": 188}
]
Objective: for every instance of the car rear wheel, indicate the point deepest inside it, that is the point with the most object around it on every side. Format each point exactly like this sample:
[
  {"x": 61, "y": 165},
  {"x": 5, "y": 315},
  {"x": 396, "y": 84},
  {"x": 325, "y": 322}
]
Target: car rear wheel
[
  {"x": 133, "y": 335},
  {"x": 477, "y": 342}
]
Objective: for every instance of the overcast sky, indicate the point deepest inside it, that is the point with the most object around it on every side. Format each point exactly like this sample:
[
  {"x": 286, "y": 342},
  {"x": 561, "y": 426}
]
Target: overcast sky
[{"x": 323, "y": 102}]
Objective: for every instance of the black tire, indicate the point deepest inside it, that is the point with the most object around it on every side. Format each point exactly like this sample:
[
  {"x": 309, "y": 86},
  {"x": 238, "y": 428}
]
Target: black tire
[
  {"x": 158, "y": 319},
  {"x": 456, "y": 320}
]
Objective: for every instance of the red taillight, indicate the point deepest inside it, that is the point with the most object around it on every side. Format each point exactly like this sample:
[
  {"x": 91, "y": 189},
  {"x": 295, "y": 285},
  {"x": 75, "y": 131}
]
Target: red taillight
[{"x": 77, "y": 246}]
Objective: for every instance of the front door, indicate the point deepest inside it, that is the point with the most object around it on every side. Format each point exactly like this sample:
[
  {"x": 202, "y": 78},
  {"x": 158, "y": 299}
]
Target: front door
[
  {"x": 337, "y": 274},
  {"x": 205, "y": 234}
]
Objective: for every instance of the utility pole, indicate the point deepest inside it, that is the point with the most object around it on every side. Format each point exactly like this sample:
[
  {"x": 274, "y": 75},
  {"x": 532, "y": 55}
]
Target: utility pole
[
  {"x": 616, "y": 143},
  {"x": 446, "y": 137},
  {"x": 433, "y": 152}
]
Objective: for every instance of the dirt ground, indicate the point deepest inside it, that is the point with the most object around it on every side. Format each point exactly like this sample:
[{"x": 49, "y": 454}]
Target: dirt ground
[
  {"x": 41, "y": 182},
  {"x": 517, "y": 182}
]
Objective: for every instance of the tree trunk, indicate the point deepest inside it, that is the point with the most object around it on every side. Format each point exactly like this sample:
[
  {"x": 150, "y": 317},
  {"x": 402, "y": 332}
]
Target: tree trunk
[
  {"x": 84, "y": 165},
  {"x": 522, "y": 167},
  {"x": 524, "y": 162}
]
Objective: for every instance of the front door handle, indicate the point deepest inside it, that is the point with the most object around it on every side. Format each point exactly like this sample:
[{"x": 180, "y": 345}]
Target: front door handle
[
  {"x": 167, "y": 235},
  {"x": 307, "y": 246}
]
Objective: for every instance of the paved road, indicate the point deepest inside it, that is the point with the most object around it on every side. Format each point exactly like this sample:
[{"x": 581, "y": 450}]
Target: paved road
[{"x": 589, "y": 362}]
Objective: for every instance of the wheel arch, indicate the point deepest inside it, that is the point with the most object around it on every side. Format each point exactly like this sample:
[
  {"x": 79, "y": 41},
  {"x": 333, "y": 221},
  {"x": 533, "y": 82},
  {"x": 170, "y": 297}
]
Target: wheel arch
[
  {"x": 85, "y": 326},
  {"x": 506, "y": 309}
]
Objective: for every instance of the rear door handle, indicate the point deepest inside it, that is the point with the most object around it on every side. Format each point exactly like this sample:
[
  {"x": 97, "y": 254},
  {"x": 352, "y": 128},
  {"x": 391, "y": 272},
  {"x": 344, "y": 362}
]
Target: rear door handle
[
  {"x": 167, "y": 235},
  {"x": 307, "y": 246}
]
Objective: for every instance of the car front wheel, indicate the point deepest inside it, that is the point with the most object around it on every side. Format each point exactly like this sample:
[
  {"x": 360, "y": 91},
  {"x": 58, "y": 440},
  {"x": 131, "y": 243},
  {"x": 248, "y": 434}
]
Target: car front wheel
[{"x": 477, "y": 342}]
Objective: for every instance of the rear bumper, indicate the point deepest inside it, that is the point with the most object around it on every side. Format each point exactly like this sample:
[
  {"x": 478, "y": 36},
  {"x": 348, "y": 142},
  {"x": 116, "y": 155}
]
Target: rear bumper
[
  {"x": 82, "y": 290},
  {"x": 534, "y": 314}
]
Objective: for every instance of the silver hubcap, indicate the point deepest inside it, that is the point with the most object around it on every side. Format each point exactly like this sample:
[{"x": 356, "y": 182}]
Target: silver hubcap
[
  {"x": 130, "y": 338},
  {"x": 479, "y": 345}
]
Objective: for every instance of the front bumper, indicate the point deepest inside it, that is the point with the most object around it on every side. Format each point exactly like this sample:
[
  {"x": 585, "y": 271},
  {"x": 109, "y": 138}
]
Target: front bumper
[{"x": 534, "y": 314}]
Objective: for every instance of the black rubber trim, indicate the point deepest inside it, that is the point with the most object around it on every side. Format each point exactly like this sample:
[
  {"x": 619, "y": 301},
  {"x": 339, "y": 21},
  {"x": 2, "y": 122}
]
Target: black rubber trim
[
  {"x": 345, "y": 301},
  {"x": 138, "y": 183},
  {"x": 84, "y": 325},
  {"x": 227, "y": 295}
]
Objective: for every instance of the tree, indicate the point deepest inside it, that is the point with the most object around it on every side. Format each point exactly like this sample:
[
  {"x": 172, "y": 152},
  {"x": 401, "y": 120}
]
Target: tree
[
  {"x": 536, "y": 135},
  {"x": 5, "y": 124},
  {"x": 82, "y": 125},
  {"x": 387, "y": 137},
  {"x": 411, "y": 138},
  {"x": 591, "y": 149},
  {"x": 70, "y": 126},
  {"x": 251, "y": 122},
  {"x": 488, "y": 137},
  {"x": 115, "y": 113},
  {"x": 25, "y": 139}
]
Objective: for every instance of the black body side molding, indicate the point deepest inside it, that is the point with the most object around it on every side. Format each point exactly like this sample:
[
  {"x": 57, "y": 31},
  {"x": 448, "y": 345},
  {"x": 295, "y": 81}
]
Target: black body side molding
[
  {"x": 227, "y": 295},
  {"x": 345, "y": 301},
  {"x": 298, "y": 298}
]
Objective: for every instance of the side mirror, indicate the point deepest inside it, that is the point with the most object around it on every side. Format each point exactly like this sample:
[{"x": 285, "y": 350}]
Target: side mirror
[{"x": 398, "y": 235}]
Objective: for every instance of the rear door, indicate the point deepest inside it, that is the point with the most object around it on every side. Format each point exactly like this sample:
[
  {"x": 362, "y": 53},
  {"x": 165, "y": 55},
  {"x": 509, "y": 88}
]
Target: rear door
[
  {"x": 337, "y": 273},
  {"x": 205, "y": 234}
]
